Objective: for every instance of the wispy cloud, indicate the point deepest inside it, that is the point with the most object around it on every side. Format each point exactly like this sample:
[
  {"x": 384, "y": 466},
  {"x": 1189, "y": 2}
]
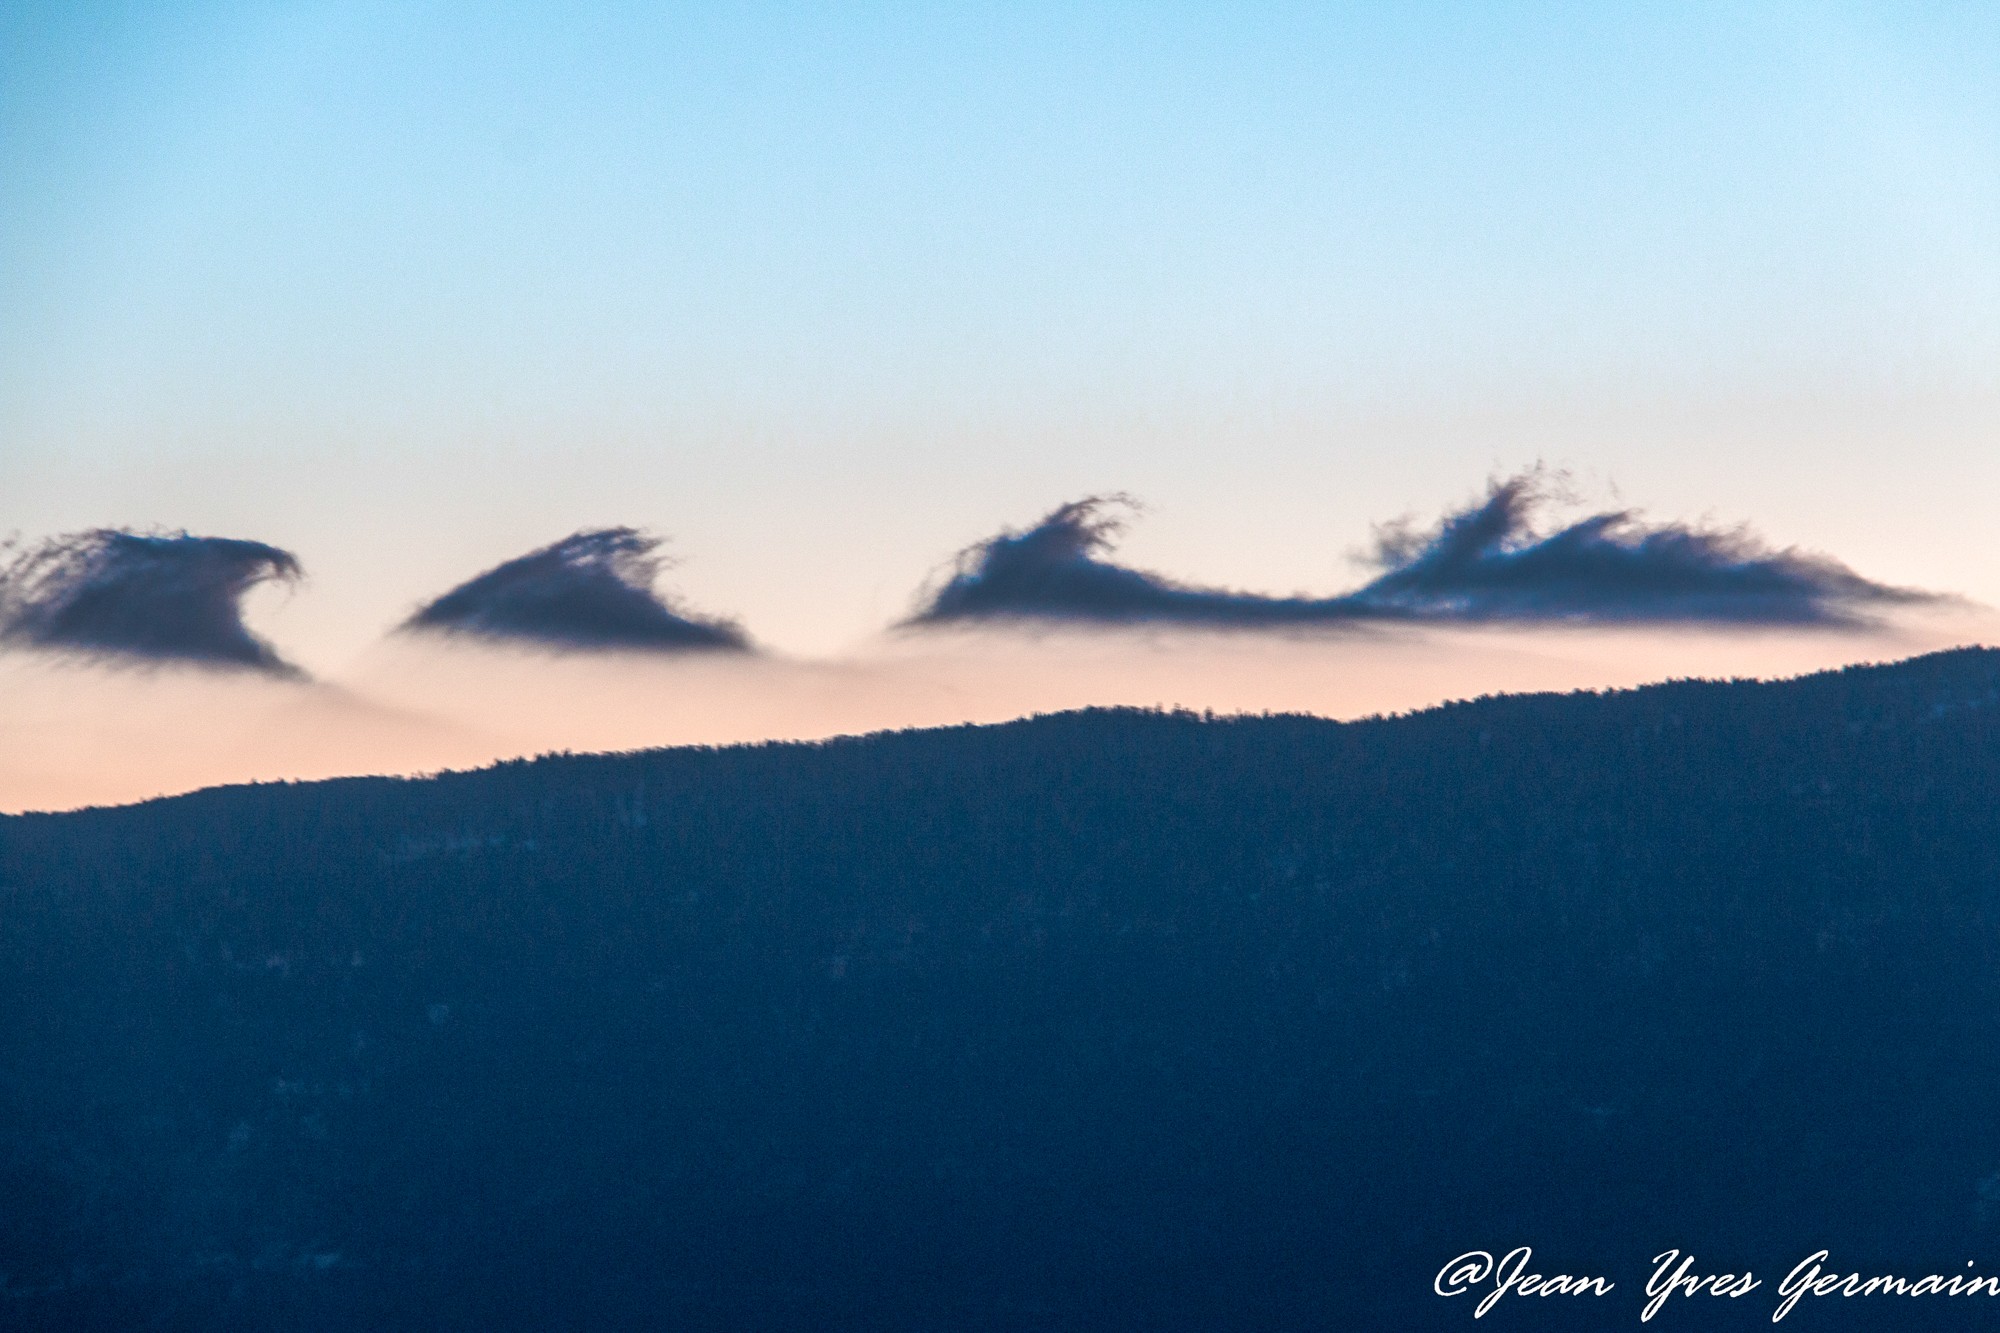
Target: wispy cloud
[
  {"x": 1489, "y": 562},
  {"x": 1486, "y": 562},
  {"x": 1056, "y": 571},
  {"x": 591, "y": 590},
  {"x": 143, "y": 597}
]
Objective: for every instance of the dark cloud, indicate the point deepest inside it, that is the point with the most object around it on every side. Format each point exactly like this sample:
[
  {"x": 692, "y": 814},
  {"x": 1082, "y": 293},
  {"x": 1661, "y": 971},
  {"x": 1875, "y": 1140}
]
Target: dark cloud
[
  {"x": 1487, "y": 562},
  {"x": 591, "y": 590},
  {"x": 1053, "y": 571},
  {"x": 151, "y": 597}
]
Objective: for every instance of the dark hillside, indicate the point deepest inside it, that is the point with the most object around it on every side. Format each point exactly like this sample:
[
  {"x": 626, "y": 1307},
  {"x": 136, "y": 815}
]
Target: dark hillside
[{"x": 1106, "y": 1020}]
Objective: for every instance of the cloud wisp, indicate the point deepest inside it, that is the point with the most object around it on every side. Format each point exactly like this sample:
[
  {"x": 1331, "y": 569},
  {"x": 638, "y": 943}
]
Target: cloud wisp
[
  {"x": 1056, "y": 571},
  {"x": 1487, "y": 562},
  {"x": 591, "y": 591},
  {"x": 149, "y": 598}
]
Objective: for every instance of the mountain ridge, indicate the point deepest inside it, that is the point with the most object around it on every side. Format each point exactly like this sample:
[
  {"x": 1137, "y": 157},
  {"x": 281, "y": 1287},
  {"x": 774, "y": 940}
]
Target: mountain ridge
[{"x": 1108, "y": 1019}]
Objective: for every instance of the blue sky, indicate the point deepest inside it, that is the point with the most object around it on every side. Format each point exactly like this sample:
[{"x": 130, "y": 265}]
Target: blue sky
[{"x": 829, "y": 292}]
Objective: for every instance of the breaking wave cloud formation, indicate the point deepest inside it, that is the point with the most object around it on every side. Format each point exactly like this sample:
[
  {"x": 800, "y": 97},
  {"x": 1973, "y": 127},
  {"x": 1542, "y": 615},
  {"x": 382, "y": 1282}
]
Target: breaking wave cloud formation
[
  {"x": 1488, "y": 562},
  {"x": 1055, "y": 571},
  {"x": 591, "y": 590},
  {"x": 143, "y": 597}
]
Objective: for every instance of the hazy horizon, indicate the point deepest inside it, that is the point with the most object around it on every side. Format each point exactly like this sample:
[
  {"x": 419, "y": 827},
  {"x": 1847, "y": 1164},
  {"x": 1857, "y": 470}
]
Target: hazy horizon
[{"x": 74, "y": 733}]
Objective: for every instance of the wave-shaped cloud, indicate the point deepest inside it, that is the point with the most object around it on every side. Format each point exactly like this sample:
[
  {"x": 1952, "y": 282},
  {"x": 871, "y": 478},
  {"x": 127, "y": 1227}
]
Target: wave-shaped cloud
[
  {"x": 143, "y": 597},
  {"x": 1053, "y": 571},
  {"x": 591, "y": 590},
  {"x": 1486, "y": 562}
]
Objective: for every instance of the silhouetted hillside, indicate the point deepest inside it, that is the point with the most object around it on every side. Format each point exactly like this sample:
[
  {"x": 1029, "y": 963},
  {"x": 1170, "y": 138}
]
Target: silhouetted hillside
[{"x": 1106, "y": 1020}]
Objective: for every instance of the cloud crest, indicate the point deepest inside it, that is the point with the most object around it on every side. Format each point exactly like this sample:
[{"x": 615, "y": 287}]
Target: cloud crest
[
  {"x": 1055, "y": 571},
  {"x": 143, "y": 597},
  {"x": 1490, "y": 562},
  {"x": 592, "y": 590},
  {"x": 1487, "y": 562}
]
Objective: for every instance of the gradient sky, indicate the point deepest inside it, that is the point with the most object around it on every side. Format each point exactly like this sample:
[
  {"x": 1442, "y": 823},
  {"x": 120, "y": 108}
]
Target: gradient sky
[{"x": 828, "y": 292}]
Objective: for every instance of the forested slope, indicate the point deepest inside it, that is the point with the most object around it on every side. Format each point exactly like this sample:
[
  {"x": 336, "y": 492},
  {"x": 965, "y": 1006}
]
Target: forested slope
[{"x": 1103, "y": 1020}]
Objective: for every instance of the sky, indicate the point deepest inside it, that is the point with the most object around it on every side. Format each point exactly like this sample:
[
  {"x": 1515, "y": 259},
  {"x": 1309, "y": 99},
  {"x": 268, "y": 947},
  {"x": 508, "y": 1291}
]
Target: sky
[{"x": 823, "y": 295}]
